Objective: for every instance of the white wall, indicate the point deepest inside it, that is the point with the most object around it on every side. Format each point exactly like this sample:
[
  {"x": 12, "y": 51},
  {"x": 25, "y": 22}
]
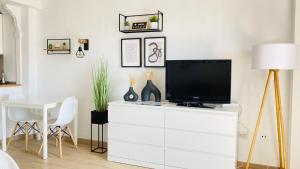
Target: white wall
[
  {"x": 295, "y": 115},
  {"x": 9, "y": 48},
  {"x": 195, "y": 29}
]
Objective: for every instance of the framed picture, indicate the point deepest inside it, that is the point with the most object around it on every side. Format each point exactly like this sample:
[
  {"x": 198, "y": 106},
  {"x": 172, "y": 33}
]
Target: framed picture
[
  {"x": 58, "y": 46},
  {"x": 131, "y": 53},
  {"x": 155, "y": 51}
]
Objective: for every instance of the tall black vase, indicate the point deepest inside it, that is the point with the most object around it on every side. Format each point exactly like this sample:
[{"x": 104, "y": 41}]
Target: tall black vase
[
  {"x": 131, "y": 96},
  {"x": 149, "y": 89}
]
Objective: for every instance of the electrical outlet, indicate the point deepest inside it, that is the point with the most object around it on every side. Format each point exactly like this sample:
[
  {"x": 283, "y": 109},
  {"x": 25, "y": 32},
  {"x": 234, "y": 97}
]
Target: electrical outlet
[{"x": 263, "y": 137}]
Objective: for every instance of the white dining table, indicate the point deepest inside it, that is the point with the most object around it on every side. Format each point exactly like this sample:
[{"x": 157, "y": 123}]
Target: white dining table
[{"x": 38, "y": 103}]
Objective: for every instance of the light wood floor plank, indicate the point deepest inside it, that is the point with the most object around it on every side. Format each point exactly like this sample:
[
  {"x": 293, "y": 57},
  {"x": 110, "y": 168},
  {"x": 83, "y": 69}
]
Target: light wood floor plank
[{"x": 72, "y": 158}]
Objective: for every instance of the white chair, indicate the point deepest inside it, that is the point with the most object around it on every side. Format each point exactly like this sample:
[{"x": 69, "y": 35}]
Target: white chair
[
  {"x": 60, "y": 127},
  {"x": 25, "y": 119},
  {"x": 6, "y": 162}
]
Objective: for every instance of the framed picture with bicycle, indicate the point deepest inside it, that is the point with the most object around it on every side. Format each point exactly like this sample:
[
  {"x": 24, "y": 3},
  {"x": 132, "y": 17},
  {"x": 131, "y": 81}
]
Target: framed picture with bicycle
[{"x": 154, "y": 51}]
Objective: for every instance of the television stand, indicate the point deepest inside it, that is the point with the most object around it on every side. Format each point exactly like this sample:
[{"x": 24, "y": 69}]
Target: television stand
[
  {"x": 200, "y": 105},
  {"x": 163, "y": 136}
]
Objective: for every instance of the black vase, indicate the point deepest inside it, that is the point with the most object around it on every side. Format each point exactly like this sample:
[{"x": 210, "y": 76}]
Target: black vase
[
  {"x": 149, "y": 89},
  {"x": 99, "y": 117},
  {"x": 131, "y": 96}
]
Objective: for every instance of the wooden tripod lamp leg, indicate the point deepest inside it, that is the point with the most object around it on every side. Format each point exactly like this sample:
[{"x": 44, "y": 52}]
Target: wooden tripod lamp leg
[
  {"x": 281, "y": 120},
  {"x": 278, "y": 122},
  {"x": 259, "y": 119}
]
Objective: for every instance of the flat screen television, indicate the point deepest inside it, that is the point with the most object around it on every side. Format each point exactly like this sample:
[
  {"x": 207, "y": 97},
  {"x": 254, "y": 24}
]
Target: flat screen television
[{"x": 198, "y": 81}]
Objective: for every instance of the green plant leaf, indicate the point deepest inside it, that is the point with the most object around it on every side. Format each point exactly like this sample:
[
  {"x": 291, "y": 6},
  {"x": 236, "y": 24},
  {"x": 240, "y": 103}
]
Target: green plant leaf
[
  {"x": 153, "y": 18},
  {"x": 100, "y": 86}
]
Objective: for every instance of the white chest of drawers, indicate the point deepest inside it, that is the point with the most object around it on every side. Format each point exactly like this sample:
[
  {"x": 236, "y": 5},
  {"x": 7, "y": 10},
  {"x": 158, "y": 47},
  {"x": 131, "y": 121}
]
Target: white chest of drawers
[{"x": 171, "y": 137}]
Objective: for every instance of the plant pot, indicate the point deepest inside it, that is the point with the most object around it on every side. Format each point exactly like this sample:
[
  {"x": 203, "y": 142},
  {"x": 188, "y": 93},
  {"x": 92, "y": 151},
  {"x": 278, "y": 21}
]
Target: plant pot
[
  {"x": 126, "y": 27},
  {"x": 99, "y": 117},
  {"x": 154, "y": 25}
]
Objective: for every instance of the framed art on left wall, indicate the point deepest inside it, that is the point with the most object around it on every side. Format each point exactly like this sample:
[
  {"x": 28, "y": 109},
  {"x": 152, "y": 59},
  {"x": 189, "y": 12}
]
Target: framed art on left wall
[{"x": 131, "y": 52}]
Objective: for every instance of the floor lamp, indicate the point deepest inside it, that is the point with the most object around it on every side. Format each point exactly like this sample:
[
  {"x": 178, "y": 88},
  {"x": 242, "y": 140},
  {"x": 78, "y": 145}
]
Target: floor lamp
[{"x": 274, "y": 57}]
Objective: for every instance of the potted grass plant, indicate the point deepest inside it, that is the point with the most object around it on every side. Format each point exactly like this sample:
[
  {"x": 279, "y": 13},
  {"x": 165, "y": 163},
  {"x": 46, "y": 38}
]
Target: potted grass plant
[
  {"x": 101, "y": 89},
  {"x": 153, "y": 22},
  {"x": 127, "y": 25}
]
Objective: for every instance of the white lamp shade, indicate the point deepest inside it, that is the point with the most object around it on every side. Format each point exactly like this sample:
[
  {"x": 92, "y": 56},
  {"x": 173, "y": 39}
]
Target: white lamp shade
[{"x": 275, "y": 56}]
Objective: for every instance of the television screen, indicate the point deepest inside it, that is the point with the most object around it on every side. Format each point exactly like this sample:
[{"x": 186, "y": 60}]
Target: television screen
[{"x": 198, "y": 81}]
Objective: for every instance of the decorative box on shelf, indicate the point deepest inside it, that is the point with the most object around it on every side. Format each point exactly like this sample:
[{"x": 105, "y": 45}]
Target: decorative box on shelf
[{"x": 141, "y": 23}]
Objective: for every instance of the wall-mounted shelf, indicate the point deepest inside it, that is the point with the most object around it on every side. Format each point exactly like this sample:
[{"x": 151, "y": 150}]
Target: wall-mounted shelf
[
  {"x": 58, "y": 46},
  {"x": 144, "y": 18},
  {"x": 141, "y": 30}
]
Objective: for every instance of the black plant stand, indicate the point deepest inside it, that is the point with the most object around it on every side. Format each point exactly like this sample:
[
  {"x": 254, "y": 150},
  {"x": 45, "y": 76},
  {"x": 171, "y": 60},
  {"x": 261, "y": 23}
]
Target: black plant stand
[
  {"x": 103, "y": 149},
  {"x": 98, "y": 118}
]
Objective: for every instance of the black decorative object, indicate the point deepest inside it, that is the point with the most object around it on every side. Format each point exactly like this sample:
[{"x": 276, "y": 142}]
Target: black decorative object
[
  {"x": 80, "y": 53},
  {"x": 99, "y": 118},
  {"x": 143, "y": 17},
  {"x": 85, "y": 43},
  {"x": 131, "y": 96},
  {"x": 149, "y": 89}
]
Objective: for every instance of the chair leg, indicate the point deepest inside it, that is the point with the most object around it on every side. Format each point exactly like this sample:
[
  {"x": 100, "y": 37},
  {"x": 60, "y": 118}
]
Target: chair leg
[
  {"x": 56, "y": 142},
  {"x": 40, "y": 149},
  {"x": 26, "y": 136},
  {"x": 37, "y": 127},
  {"x": 60, "y": 144},
  {"x": 12, "y": 135},
  {"x": 72, "y": 138},
  {"x": 56, "y": 139}
]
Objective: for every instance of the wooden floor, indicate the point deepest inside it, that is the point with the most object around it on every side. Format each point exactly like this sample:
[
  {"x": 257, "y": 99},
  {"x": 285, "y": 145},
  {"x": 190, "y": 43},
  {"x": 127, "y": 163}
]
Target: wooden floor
[{"x": 72, "y": 158}]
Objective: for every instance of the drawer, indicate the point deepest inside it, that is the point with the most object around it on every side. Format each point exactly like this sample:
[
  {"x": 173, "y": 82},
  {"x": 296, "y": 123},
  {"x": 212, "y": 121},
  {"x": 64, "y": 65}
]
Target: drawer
[
  {"x": 142, "y": 115},
  {"x": 216, "y": 144},
  {"x": 135, "y": 133},
  {"x": 168, "y": 167},
  {"x": 136, "y": 163},
  {"x": 195, "y": 160},
  {"x": 202, "y": 121},
  {"x": 133, "y": 151}
]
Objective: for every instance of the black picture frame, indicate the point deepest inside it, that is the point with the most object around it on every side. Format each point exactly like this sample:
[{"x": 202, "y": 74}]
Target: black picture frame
[
  {"x": 164, "y": 51},
  {"x": 59, "y": 51},
  {"x": 140, "y": 52}
]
